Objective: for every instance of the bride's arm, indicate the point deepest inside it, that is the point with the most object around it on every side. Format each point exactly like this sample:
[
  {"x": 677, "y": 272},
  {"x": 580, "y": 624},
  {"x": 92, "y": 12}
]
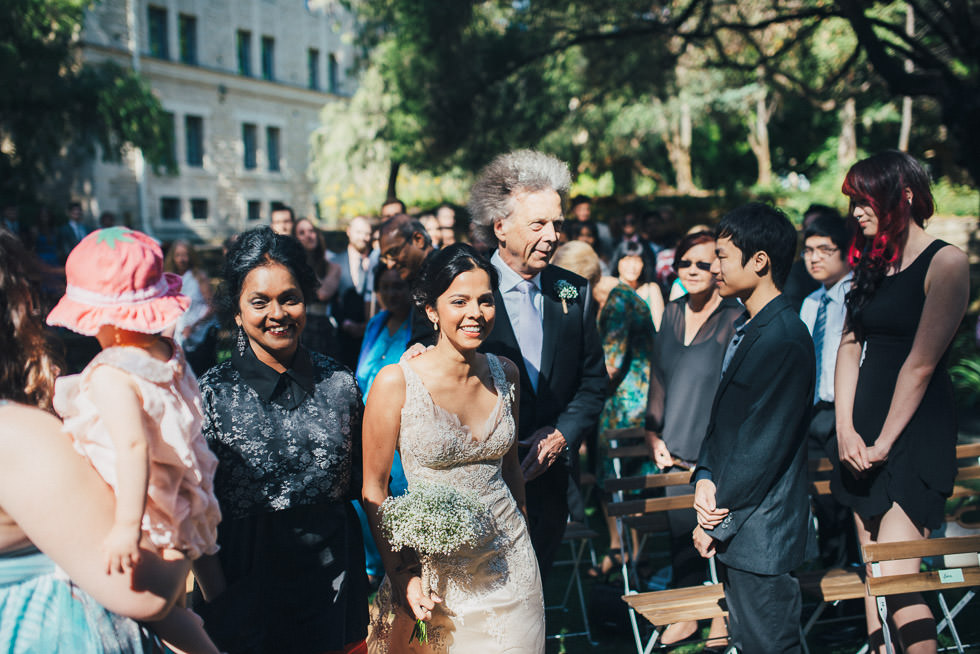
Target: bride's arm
[
  {"x": 382, "y": 421},
  {"x": 511, "y": 466}
]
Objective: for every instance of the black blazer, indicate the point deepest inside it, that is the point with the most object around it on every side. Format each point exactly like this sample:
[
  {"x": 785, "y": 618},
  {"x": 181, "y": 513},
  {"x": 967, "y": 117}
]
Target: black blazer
[
  {"x": 572, "y": 381},
  {"x": 348, "y": 302},
  {"x": 755, "y": 447}
]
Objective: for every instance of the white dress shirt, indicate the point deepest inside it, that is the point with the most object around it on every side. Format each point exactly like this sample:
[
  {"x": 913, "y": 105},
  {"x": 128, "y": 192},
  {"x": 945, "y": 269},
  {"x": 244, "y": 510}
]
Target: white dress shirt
[
  {"x": 827, "y": 360},
  {"x": 511, "y": 295}
]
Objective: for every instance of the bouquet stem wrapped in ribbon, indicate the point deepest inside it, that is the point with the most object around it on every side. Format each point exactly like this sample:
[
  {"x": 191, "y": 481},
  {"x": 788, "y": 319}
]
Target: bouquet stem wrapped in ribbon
[{"x": 434, "y": 520}]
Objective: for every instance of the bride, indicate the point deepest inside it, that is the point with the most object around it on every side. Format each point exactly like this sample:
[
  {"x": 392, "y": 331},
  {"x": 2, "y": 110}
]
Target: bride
[{"x": 451, "y": 413}]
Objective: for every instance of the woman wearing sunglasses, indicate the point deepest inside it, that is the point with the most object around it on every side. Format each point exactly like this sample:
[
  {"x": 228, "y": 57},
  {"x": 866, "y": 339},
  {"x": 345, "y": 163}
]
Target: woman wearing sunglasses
[{"x": 685, "y": 371}]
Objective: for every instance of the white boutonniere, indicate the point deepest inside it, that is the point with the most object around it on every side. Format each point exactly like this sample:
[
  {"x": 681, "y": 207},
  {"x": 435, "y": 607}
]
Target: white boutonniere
[{"x": 565, "y": 291}]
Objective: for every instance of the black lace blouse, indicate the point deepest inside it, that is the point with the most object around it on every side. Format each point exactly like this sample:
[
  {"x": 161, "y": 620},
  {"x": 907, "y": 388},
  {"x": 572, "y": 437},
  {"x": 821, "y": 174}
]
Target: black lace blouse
[{"x": 282, "y": 440}]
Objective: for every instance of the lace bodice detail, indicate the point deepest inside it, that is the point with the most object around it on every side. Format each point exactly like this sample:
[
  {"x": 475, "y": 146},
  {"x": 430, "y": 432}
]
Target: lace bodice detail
[{"x": 432, "y": 439}]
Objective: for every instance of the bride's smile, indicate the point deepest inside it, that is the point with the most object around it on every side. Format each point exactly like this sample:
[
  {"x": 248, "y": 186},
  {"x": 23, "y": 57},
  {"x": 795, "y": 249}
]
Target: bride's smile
[{"x": 465, "y": 312}]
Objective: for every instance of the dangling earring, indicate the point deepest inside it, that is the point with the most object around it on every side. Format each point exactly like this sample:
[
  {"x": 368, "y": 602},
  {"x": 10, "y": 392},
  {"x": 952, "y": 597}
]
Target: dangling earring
[
  {"x": 242, "y": 341},
  {"x": 435, "y": 326}
]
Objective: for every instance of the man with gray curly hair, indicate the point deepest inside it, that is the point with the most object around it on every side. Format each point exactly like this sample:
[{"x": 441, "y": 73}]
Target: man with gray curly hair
[{"x": 546, "y": 325}]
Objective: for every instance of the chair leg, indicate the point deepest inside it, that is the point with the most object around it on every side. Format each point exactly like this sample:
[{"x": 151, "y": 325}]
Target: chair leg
[{"x": 948, "y": 618}]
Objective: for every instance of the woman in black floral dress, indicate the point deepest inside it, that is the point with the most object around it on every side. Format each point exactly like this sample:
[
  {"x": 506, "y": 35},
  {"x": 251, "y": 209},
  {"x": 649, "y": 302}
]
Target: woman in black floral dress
[{"x": 285, "y": 424}]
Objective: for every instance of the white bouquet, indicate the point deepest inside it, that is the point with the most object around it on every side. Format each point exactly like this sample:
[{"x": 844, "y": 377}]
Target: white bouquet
[{"x": 434, "y": 520}]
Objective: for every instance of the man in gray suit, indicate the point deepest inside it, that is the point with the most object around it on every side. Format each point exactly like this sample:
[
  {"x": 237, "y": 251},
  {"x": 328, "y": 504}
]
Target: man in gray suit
[{"x": 751, "y": 488}]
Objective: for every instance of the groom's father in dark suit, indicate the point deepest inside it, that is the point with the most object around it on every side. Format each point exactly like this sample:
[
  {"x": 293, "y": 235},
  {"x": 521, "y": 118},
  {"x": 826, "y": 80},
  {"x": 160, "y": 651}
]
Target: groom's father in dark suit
[
  {"x": 751, "y": 488},
  {"x": 546, "y": 324}
]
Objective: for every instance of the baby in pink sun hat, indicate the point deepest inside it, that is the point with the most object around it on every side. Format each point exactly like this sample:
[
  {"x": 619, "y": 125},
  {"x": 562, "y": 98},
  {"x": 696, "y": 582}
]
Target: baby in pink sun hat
[{"x": 135, "y": 411}]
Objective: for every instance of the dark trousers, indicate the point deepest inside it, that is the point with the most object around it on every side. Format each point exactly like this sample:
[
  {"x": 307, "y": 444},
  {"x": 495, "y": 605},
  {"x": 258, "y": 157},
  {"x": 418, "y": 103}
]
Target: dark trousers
[
  {"x": 547, "y": 514},
  {"x": 763, "y": 611},
  {"x": 836, "y": 534}
]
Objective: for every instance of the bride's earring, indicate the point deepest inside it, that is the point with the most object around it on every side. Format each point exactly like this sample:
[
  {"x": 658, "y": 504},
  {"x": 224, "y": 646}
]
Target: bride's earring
[{"x": 435, "y": 326}]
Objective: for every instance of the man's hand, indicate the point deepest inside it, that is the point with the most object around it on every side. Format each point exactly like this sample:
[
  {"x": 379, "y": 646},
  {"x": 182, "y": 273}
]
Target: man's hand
[
  {"x": 546, "y": 445},
  {"x": 703, "y": 543},
  {"x": 659, "y": 452},
  {"x": 709, "y": 515},
  {"x": 414, "y": 351}
]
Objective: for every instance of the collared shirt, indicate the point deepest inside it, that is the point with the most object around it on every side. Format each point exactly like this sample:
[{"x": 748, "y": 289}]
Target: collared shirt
[
  {"x": 827, "y": 360},
  {"x": 740, "y": 324},
  {"x": 287, "y": 389},
  {"x": 511, "y": 294}
]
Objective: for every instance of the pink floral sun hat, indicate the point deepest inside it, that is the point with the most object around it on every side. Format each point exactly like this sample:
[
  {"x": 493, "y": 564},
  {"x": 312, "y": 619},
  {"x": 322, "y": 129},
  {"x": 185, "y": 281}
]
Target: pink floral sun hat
[{"x": 115, "y": 277}]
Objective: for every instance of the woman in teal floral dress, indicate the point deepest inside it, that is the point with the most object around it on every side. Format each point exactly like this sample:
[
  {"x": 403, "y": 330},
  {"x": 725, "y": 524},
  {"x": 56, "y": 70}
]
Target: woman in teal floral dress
[{"x": 626, "y": 331}]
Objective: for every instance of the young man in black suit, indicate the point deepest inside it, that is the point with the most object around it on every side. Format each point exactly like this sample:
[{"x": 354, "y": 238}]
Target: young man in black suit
[
  {"x": 751, "y": 489},
  {"x": 546, "y": 325}
]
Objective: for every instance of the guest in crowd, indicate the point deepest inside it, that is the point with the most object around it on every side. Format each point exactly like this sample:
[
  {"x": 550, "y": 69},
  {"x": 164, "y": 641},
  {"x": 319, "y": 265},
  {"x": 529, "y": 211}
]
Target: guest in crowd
[
  {"x": 392, "y": 207},
  {"x": 800, "y": 284},
  {"x": 60, "y": 601},
  {"x": 71, "y": 233},
  {"x": 385, "y": 340},
  {"x": 282, "y": 220},
  {"x": 896, "y": 426},
  {"x": 285, "y": 424},
  {"x": 517, "y": 200},
  {"x": 635, "y": 270},
  {"x": 826, "y": 241},
  {"x": 196, "y": 330},
  {"x": 446, "y": 218},
  {"x": 581, "y": 211},
  {"x": 587, "y": 232},
  {"x": 320, "y": 334},
  {"x": 751, "y": 492},
  {"x": 406, "y": 247},
  {"x": 353, "y": 295},
  {"x": 107, "y": 219},
  {"x": 686, "y": 368},
  {"x": 431, "y": 226},
  {"x": 626, "y": 333},
  {"x": 44, "y": 238}
]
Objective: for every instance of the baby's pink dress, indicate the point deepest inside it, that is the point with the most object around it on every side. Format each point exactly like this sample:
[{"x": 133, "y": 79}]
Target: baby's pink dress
[{"x": 181, "y": 509}]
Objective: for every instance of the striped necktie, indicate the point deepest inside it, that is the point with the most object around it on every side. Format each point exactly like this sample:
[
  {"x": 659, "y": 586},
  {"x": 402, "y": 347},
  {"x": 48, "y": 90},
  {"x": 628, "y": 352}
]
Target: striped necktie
[{"x": 819, "y": 330}]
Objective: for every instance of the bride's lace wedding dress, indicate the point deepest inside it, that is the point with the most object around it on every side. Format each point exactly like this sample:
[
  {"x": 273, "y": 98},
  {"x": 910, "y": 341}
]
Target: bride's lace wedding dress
[{"x": 492, "y": 592}]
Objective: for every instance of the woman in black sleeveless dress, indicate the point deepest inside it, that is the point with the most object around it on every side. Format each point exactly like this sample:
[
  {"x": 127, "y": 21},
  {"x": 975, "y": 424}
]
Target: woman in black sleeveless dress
[{"x": 896, "y": 429}]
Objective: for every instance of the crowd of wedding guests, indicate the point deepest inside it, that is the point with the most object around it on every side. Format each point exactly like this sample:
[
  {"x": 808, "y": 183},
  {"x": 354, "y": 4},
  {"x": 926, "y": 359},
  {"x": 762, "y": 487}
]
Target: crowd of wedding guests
[{"x": 742, "y": 349}]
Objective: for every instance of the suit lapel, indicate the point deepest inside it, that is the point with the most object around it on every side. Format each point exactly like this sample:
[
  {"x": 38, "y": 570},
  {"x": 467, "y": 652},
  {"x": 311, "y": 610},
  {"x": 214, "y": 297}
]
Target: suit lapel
[
  {"x": 552, "y": 323},
  {"x": 503, "y": 341}
]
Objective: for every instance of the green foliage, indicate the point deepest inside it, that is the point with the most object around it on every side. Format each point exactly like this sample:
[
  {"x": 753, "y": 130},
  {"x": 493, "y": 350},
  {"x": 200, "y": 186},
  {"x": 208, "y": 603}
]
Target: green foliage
[
  {"x": 965, "y": 371},
  {"x": 53, "y": 106}
]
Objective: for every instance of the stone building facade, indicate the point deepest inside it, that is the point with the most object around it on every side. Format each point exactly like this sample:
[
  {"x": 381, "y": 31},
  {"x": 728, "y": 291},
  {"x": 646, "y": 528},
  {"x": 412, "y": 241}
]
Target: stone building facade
[{"x": 243, "y": 82}]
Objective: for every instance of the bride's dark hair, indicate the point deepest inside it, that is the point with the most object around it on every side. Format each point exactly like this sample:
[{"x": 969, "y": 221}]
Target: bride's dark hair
[
  {"x": 880, "y": 182},
  {"x": 27, "y": 367},
  {"x": 443, "y": 267}
]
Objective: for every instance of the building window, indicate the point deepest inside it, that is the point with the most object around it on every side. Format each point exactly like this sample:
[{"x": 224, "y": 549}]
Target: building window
[
  {"x": 244, "y": 53},
  {"x": 170, "y": 208},
  {"x": 194, "y": 136},
  {"x": 187, "y": 31},
  {"x": 199, "y": 208},
  {"x": 254, "y": 210},
  {"x": 272, "y": 147},
  {"x": 249, "y": 133},
  {"x": 313, "y": 68},
  {"x": 332, "y": 83},
  {"x": 170, "y": 132},
  {"x": 268, "y": 57},
  {"x": 157, "y": 27}
]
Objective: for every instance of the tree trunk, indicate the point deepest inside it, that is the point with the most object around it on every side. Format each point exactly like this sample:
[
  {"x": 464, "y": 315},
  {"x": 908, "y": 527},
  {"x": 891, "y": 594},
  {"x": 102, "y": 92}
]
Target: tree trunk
[
  {"x": 906, "y": 130},
  {"x": 678, "y": 142},
  {"x": 393, "y": 180},
  {"x": 759, "y": 139},
  {"x": 847, "y": 146}
]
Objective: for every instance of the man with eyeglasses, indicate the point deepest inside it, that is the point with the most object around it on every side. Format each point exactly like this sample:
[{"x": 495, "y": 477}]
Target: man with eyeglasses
[
  {"x": 406, "y": 246},
  {"x": 825, "y": 245}
]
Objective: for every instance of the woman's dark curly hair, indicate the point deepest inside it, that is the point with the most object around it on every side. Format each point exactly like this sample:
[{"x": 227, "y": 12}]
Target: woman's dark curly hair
[
  {"x": 254, "y": 249},
  {"x": 27, "y": 367},
  {"x": 881, "y": 182},
  {"x": 443, "y": 267}
]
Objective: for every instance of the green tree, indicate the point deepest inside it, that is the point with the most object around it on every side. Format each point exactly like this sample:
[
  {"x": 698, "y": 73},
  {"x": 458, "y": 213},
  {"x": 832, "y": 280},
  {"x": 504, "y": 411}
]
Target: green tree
[{"x": 54, "y": 107}]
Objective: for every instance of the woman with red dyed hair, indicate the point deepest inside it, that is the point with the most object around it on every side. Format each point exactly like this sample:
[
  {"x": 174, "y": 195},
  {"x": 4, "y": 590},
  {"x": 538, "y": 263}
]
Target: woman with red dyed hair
[{"x": 896, "y": 430}]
